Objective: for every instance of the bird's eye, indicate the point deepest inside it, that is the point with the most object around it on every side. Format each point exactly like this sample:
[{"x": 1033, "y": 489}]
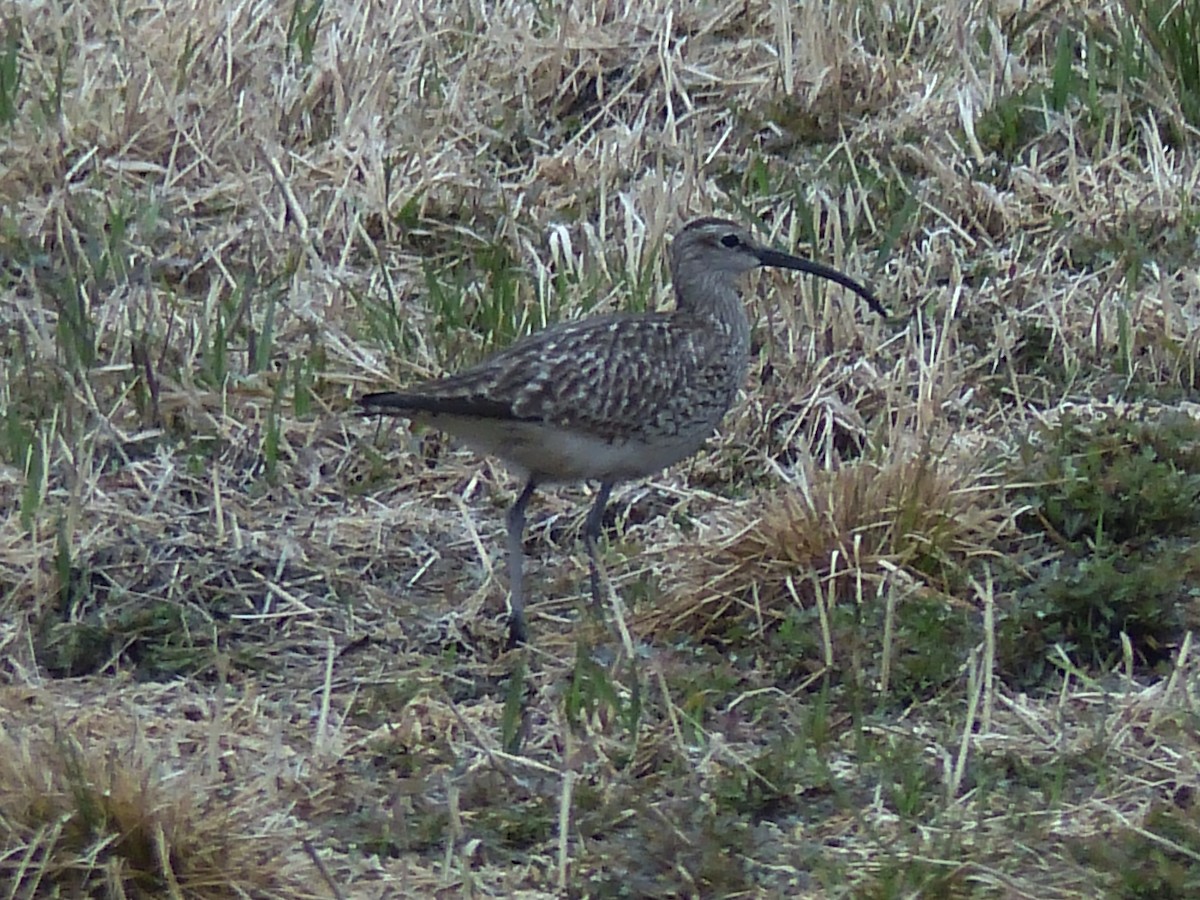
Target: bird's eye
[{"x": 730, "y": 240}]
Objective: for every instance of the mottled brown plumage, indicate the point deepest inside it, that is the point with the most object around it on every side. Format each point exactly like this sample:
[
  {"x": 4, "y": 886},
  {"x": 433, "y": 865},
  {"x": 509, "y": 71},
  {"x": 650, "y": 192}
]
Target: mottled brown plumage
[{"x": 614, "y": 397}]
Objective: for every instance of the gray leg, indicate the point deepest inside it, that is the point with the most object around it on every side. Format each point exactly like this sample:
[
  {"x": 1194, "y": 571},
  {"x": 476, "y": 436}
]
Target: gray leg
[
  {"x": 516, "y": 557},
  {"x": 591, "y": 535}
]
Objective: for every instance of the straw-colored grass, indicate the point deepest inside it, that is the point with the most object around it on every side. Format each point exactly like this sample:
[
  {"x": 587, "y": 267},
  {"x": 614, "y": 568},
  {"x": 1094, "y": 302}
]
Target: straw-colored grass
[{"x": 252, "y": 645}]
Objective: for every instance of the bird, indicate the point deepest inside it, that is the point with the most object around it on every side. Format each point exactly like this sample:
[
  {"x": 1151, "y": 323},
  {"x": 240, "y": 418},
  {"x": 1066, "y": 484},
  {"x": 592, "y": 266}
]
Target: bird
[{"x": 609, "y": 398}]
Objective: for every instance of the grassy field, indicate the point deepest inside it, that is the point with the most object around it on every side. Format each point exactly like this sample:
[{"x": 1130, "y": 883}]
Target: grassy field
[{"x": 916, "y": 623}]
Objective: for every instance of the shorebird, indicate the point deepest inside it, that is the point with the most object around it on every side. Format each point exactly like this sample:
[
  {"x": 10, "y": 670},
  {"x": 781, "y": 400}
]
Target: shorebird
[{"x": 609, "y": 398}]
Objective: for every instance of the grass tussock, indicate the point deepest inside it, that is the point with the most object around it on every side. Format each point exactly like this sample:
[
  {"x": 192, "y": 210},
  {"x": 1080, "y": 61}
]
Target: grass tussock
[
  {"x": 95, "y": 815},
  {"x": 834, "y": 535}
]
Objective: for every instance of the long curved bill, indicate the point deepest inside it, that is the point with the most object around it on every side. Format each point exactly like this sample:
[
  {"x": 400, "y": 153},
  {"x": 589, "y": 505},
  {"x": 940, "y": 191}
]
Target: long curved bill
[{"x": 769, "y": 257}]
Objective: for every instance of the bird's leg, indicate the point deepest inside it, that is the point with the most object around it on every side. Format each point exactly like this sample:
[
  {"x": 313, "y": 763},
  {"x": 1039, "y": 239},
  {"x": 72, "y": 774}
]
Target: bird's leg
[
  {"x": 591, "y": 535},
  {"x": 517, "y": 634}
]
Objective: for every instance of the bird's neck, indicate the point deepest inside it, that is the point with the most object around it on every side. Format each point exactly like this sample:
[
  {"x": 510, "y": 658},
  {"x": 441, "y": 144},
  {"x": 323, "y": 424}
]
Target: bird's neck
[{"x": 709, "y": 296}]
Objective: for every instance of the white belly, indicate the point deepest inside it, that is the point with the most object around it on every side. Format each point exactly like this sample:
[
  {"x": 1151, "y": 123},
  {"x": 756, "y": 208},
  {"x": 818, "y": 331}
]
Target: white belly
[{"x": 553, "y": 454}]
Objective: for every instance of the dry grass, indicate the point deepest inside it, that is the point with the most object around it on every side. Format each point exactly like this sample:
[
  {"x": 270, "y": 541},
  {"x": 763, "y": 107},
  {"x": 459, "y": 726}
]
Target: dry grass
[
  {"x": 252, "y": 648},
  {"x": 823, "y": 526}
]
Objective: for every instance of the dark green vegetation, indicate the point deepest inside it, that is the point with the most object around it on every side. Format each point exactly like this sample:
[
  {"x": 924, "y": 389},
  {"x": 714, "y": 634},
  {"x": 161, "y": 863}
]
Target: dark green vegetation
[{"x": 1119, "y": 498}]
